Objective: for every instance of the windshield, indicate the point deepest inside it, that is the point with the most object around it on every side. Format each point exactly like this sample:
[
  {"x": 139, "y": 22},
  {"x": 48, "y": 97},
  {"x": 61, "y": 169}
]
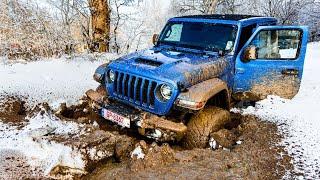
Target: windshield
[{"x": 198, "y": 35}]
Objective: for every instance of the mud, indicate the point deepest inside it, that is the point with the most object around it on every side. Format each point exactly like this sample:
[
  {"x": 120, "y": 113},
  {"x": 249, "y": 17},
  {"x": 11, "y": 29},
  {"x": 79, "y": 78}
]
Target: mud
[
  {"x": 225, "y": 138},
  {"x": 257, "y": 157},
  {"x": 283, "y": 86},
  {"x": 204, "y": 91},
  {"x": 13, "y": 166},
  {"x": 12, "y": 110},
  {"x": 202, "y": 72},
  {"x": 249, "y": 151}
]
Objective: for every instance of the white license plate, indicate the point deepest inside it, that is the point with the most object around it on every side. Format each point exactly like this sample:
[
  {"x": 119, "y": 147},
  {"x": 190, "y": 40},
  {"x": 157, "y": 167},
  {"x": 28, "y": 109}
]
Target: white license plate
[{"x": 116, "y": 118}]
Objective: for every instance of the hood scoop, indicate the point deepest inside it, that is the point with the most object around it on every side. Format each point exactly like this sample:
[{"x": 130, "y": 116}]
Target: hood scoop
[{"x": 148, "y": 62}]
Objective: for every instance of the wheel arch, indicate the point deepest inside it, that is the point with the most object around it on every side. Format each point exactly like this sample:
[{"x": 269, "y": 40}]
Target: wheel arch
[{"x": 210, "y": 92}]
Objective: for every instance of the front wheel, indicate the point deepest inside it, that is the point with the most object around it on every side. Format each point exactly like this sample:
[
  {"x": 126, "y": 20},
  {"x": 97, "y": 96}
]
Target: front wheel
[{"x": 202, "y": 124}]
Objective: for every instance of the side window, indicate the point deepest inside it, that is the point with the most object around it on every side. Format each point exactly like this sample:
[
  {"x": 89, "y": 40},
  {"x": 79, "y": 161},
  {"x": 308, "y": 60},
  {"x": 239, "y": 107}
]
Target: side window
[
  {"x": 174, "y": 34},
  {"x": 277, "y": 44},
  {"x": 246, "y": 33}
]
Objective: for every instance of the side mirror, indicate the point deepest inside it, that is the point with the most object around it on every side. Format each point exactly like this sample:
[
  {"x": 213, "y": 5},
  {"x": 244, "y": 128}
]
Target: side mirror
[
  {"x": 250, "y": 53},
  {"x": 155, "y": 39}
]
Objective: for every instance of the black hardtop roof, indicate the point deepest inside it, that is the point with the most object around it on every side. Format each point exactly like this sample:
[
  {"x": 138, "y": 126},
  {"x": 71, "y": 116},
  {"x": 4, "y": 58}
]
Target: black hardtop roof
[{"x": 234, "y": 17}]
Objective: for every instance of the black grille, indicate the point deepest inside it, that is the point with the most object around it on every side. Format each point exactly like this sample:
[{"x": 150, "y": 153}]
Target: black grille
[{"x": 135, "y": 89}]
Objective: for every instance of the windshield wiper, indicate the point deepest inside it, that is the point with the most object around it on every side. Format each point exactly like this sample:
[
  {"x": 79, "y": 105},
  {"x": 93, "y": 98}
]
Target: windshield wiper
[
  {"x": 177, "y": 47},
  {"x": 206, "y": 50}
]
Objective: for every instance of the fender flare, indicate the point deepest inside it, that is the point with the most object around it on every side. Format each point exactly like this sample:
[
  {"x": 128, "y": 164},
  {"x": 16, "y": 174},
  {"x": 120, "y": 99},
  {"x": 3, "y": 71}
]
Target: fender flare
[{"x": 197, "y": 95}]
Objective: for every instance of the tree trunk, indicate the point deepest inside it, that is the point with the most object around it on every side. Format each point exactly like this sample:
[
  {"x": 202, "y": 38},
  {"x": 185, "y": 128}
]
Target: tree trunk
[
  {"x": 100, "y": 17},
  {"x": 211, "y": 6}
]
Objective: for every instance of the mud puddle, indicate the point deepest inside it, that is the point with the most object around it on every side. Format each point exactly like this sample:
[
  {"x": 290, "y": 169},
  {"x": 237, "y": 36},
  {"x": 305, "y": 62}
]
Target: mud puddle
[{"x": 114, "y": 153}]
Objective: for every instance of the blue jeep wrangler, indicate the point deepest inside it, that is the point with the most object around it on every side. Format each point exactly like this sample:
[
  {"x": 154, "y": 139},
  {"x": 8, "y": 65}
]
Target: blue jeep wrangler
[{"x": 182, "y": 88}]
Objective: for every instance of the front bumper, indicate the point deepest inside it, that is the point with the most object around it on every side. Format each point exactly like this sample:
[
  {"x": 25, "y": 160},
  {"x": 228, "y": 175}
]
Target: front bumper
[{"x": 148, "y": 124}]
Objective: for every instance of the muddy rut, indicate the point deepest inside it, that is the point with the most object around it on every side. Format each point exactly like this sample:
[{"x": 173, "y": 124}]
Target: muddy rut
[{"x": 255, "y": 155}]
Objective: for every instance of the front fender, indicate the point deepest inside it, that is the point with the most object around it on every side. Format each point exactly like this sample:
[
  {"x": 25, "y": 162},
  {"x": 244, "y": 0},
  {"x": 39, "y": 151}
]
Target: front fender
[{"x": 197, "y": 96}]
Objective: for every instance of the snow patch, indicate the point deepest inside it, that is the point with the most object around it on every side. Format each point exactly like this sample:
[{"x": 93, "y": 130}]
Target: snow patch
[
  {"x": 239, "y": 142},
  {"x": 213, "y": 144},
  {"x": 53, "y": 80},
  {"x": 39, "y": 151},
  {"x": 138, "y": 153}
]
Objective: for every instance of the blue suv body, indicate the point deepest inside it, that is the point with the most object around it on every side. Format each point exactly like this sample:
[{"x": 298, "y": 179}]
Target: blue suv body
[{"x": 198, "y": 58}]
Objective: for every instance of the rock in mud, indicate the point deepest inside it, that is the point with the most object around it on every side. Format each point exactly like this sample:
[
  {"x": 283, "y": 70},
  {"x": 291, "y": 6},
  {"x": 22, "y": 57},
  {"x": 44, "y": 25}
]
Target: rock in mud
[{"x": 225, "y": 138}]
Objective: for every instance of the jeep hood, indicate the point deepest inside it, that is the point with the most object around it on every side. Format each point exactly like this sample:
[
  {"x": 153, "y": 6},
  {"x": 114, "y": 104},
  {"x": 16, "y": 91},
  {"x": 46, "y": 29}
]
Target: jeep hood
[{"x": 182, "y": 68}]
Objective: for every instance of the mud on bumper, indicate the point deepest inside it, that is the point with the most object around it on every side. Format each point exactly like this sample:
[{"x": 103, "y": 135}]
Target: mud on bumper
[{"x": 147, "y": 124}]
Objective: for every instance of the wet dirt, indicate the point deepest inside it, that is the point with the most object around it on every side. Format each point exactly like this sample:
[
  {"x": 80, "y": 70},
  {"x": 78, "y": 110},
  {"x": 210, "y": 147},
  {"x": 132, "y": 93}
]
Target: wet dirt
[
  {"x": 13, "y": 166},
  {"x": 12, "y": 110},
  {"x": 257, "y": 157},
  {"x": 254, "y": 156}
]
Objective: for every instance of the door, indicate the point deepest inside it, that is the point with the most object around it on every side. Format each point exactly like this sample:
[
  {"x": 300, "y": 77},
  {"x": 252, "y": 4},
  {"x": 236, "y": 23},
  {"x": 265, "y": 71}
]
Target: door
[{"x": 271, "y": 63}]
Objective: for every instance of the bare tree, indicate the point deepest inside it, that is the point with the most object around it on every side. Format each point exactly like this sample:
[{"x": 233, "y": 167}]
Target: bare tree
[
  {"x": 210, "y": 6},
  {"x": 230, "y": 6},
  {"x": 206, "y": 6},
  {"x": 100, "y": 15},
  {"x": 118, "y": 15},
  {"x": 197, "y": 6},
  {"x": 28, "y": 31},
  {"x": 287, "y": 11}
]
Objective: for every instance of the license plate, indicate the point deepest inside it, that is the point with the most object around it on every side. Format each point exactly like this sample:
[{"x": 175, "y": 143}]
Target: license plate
[{"x": 116, "y": 118}]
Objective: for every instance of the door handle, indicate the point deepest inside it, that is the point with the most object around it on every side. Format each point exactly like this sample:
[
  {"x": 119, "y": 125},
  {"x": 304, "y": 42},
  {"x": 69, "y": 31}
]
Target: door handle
[
  {"x": 291, "y": 72},
  {"x": 240, "y": 70}
]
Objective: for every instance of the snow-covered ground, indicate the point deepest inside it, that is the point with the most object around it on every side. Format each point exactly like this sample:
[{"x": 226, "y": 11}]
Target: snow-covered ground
[
  {"x": 299, "y": 118},
  {"x": 65, "y": 80},
  {"x": 42, "y": 155},
  {"x": 53, "y": 80}
]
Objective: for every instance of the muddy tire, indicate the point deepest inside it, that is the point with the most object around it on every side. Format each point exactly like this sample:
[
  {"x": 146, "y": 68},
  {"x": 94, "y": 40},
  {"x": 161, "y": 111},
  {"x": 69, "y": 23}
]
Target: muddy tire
[{"x": 202, "y": 124}]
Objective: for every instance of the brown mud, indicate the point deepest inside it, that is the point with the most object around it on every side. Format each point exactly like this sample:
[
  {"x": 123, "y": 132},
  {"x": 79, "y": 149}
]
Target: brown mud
[
  {"x": 257, "y": 157},
  {"x": 254, "y": 156},
  {"x": 274, "y": 84},
  {"x": 13, "y": 110},
  {"x": 13, "y": 166}
]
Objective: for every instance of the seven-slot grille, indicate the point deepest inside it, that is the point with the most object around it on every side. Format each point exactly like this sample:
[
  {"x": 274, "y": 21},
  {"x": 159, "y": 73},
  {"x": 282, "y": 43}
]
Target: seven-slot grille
[{"x": 135, "y": 89}]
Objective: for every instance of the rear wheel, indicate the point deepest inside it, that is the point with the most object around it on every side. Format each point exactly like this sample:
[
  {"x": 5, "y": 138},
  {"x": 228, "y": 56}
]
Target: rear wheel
[{"x": 202, "y": 124}]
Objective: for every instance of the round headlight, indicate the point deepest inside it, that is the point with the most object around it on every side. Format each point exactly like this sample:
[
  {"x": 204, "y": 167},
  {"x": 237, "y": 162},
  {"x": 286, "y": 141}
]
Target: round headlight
[
  {"x": 111, "y": 75},
  {"x": 166, "y": 91}
]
